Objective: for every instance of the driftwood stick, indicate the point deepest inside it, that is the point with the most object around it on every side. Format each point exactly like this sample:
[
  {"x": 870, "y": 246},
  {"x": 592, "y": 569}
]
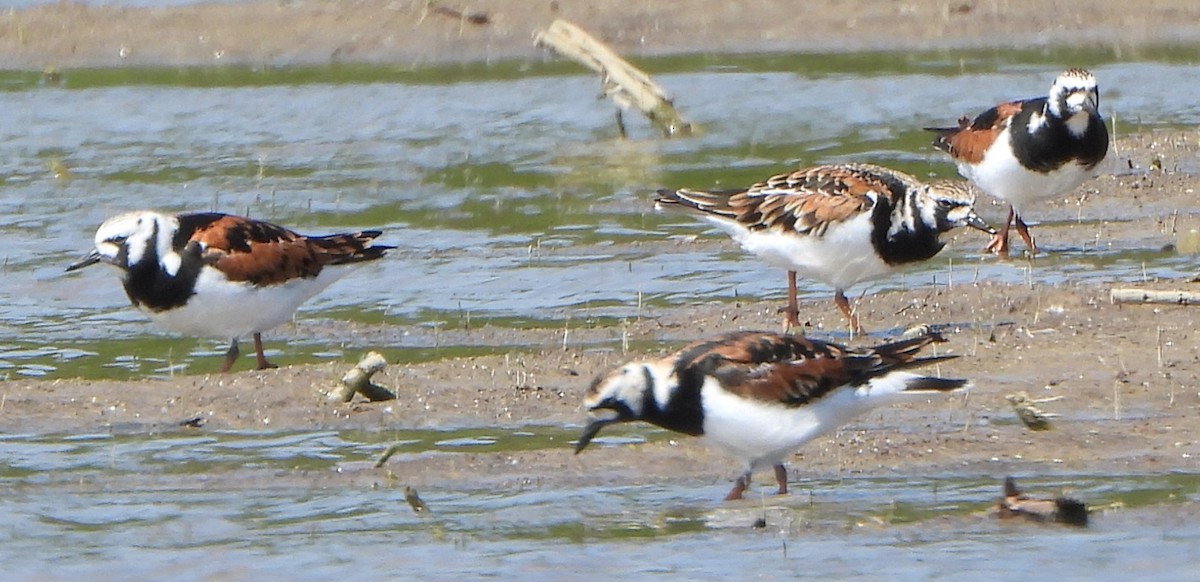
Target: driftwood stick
[
  {"x": 1151, "y": 296},
  {"x": 358, "y": 380},
  {"x": 625, "y": 84}
]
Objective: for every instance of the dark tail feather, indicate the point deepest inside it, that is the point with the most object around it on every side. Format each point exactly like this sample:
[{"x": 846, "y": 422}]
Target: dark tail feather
[
  {"x": 352, "y": 247},
  {"x": 918, "y": 362},
  {"x": 942, "y": 140},
  {"x": 1010, "y": 487},
  {"x": 712, "y": 202},
  {"x": 1072, "y": 512},
  {"x": 687, "y": 198},
  {"x": 904, "y": 351},
  {"x": 927, "y": 384},
  {"x": 945, "y": 134},
  {"x": 666, "y": 196}
]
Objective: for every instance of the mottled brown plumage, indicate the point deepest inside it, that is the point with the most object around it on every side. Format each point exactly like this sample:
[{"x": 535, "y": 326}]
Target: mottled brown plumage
[
  {"x": 1030, "y": 149},
  {"x": 807, "y": 201},
  {"x": 880, "y": 218},
  {"x": 970, "y": 141},
  {"x": 261, "y": 253},
  {"x": 795, "y": 370},
  {"x": 761, "y": 395},
  {"x": 213, "y": 274}
]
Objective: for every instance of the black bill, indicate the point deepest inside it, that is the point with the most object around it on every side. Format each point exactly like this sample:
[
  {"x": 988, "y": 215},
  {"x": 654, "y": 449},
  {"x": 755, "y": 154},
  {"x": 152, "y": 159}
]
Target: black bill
[
  {"x": 974, "y": 221},
  {"x": 591, "y": 430},
  {"x": 90, "y": 259}
]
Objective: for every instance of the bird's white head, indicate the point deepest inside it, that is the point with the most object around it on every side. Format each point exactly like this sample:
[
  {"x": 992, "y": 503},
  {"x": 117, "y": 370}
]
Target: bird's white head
[
  {"x": 1074, "y": 95},
  {"x": 623, "y": 392},
  {"x": 623, "y": 389},
  {"x": 126, "y": 239},
  {"x": 948, "y": 204}
]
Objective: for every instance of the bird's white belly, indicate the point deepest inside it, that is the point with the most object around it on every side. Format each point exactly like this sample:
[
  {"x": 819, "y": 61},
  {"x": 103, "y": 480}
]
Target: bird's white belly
[
  {"x": 763, "y": 434},
  {"x": 1002, "y": 176},
  {"x": 842, "y": 257},
  {"x": 225, "y": 309}
]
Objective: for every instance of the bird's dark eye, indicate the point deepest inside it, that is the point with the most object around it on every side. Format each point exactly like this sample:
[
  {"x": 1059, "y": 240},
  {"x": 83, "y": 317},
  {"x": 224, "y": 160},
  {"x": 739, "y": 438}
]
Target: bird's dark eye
[
  {"x": 118, "y": 240},
  {"x": 945, "y": 203}
]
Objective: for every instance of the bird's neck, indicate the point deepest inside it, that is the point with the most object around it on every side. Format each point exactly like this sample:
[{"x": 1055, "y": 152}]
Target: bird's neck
[
  {"x": 155, "y": 286},
  {"x": 673, "y": 400},
  {"x": 901, "y": 234}
]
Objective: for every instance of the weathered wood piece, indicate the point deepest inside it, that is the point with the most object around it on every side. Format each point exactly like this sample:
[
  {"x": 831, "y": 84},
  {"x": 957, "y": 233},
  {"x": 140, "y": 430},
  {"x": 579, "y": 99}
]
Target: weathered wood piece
[
  {"x": 1177, "y": 297},
  {"x": 358, "y": 380},
  {"x": 620, "y": 81}
]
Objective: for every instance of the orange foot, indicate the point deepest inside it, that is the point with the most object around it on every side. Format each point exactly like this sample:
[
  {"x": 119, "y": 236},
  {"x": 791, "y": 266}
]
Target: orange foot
[{"x": 999, "y": 245}]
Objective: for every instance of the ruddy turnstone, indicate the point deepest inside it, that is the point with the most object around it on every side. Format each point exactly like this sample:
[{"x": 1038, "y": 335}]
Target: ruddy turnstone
[
  {"x": 762, "y": 395},
  {"x": 836, "y": 224},
  {"x": 1032, "y": 149},
  {"x": 217, "y": 275}
]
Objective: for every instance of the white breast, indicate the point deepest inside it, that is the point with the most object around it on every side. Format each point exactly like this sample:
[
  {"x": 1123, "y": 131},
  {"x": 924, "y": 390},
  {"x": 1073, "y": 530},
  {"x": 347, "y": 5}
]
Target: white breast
[
  {"x": 763, "y": 433},
  {"x": 1001, "y": 175},
  {"x": 224, "y": 309},
  {"x": 842, "y": 257}
]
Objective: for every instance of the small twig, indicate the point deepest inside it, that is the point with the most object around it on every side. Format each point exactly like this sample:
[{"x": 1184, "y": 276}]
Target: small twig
[
  {"x": 391, "y": 450},
  {"x": 478, "y": 18}
]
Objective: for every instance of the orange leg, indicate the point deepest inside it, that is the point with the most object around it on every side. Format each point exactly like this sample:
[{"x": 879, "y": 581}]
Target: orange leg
[
  {"x": 781, "y": 478},
  {"x": 791, "y": 313},
  {"x": 739, "y": 487},
  {"x": 839, "y": 298},
  {"x": 263, "y": 364},
  {"x": 1023, "y": 230},
  {"x": 999, "y": 244},
  {"x": 231, "y": 355}
]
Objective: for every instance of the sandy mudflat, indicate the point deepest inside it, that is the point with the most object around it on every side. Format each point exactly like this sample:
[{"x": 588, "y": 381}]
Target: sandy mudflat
[{"x": 66, "y": 34}]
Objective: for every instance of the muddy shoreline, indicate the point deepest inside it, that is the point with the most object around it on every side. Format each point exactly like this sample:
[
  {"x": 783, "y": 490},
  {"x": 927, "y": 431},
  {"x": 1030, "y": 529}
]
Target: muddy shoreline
[{"x": 418, "y": 32}]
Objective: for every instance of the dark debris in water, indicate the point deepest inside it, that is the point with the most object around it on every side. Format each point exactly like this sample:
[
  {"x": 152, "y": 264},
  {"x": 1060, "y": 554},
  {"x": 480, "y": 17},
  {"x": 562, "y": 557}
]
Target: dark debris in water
[
  {"x": 194, "y": 422},
  {"x": 1015, "y": 504},
  {"x": 414, "y": 500}
]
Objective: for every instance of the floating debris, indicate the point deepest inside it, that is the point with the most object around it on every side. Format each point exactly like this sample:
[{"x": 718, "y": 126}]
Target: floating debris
[
  {"x": 1032, "y": 416},
  {"x": 414, "y": 500},
  {"x": 61, "y": 171},
  {"x": 1017, "y": 505},
  {"x": 51, "y": 77},
  {"x": 391, "y": 450},
  {"x": 358, "y": 380},
  {"x": 194, "y": 422}
]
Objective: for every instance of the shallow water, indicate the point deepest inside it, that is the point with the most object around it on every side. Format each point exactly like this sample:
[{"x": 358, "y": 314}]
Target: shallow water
[
  {"x": 511, "y": 201},
  {"x": 141, "y": 506},
  {"x": 503, "y": 186}
]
